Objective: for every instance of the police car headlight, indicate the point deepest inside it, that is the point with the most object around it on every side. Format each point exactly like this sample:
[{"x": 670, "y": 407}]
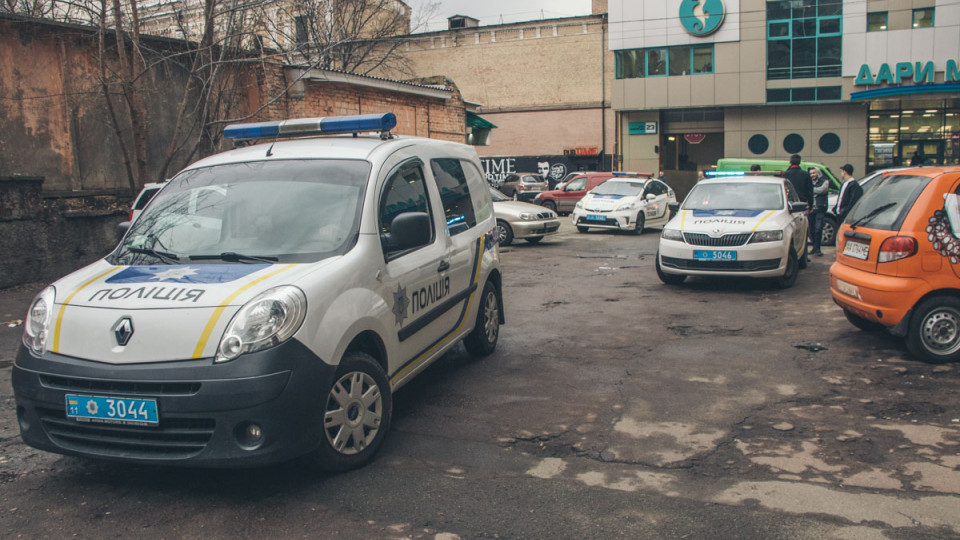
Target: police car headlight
[
  {"x": 673, "y": 234},
  {"x": 766, "y": 236},
  {"x": 626, "y": 206},
  {"x": 267, "y": 320},
  {"x": 580, "y": 205},
  {"x": 36, "y": 329}
]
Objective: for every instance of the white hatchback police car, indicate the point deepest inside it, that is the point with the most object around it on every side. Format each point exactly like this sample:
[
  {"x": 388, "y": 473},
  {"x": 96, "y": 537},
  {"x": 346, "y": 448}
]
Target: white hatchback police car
[
  {"x": 739, "y": 225},
  {"x": 629, "y": 202},
  {"x": 268, "y": 302}
]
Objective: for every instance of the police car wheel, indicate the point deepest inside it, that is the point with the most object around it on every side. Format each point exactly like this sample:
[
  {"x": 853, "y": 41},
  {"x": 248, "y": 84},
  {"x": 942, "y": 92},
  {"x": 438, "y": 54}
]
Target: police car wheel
[
  {"x": 356, "y": 414},
  {"x": 638, "y": 229},
  {"x": 789, "y": 276},
  {"x": 669, "y": 279},
  {"x": 802, "y": 260},
  {"x": 504, "y": 233},
  {"x": 482, "y": 341},
  {"x": 934, "y": 333}
]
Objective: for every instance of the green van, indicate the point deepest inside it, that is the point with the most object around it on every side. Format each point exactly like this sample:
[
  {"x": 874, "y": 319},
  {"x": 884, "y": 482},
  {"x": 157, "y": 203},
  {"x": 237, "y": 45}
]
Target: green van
[{"x": 830, "y": 222}]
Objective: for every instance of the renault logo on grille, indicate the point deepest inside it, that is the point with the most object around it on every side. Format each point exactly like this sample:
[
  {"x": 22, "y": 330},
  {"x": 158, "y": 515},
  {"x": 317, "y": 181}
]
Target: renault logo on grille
[{"x": 123, "y": 331}]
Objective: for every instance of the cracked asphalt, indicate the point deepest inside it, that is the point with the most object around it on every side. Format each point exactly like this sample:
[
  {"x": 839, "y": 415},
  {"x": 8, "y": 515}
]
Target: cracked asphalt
[{"x": 614, "y": 407}]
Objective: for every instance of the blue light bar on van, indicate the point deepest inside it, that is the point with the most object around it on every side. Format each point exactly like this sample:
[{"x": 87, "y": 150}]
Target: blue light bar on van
[{"x": 311, "y": 126}]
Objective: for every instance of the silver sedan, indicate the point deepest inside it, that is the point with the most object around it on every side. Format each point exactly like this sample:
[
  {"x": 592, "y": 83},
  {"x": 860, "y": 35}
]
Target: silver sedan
[{"x": 517, "y": 220}]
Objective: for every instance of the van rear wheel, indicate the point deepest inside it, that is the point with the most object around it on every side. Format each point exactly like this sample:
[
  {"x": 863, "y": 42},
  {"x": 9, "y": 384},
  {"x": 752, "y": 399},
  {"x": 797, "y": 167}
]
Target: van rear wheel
[
  {"x": 934, "y": 333},
  {"x": 482, "y": 341}
]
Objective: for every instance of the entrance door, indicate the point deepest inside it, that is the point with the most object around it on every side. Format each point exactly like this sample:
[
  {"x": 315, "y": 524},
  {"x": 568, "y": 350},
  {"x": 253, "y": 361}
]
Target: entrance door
[{"x": 930, "y": 150}]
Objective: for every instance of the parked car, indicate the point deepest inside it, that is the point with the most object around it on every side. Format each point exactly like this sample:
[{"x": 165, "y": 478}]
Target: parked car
[
  {"x": 752, "y": 226},
  {"x": 523, "y": 186},
  {"x": 142, "y": 198},
  {"x": 268, "y": 303},
  {"x": 563, "y": 199},
  {"x": 625, "y": 203},
  {"x": 898, "y": 261},
  {"x": 519, "y": 220}
]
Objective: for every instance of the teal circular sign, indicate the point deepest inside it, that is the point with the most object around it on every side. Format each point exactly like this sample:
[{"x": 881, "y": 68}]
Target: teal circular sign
[{"x": 701, "y": 17}]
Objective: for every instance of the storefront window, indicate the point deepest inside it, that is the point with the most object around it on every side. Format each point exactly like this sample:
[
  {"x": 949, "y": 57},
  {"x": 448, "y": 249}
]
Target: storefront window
[
  {"x": 898, "y": 129},
  {"x": 877, "y": 21},
  {"x": 923, "y": 18}
]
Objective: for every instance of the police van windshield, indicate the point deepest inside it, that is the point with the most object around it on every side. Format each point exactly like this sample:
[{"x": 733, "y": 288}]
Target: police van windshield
[
  {"x": 734, "y": 196},
  {"x": 285, "y": 211},
  {"x": 625, "y": 189}
]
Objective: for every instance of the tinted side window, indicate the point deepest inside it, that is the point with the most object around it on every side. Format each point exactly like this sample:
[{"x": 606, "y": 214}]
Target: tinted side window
[
  {"x": 457, "y": 203},
  {"x": 404, "y": 192},
  {"x": 482, "y": 207}
]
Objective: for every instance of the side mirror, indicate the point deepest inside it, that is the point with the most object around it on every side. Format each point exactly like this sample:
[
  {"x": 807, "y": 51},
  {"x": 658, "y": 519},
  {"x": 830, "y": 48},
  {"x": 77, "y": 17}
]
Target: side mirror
[
  {"x": 798, "y": 207},
  {"x": 408, "y": 230},
  {"x": 650, "y": 196}
]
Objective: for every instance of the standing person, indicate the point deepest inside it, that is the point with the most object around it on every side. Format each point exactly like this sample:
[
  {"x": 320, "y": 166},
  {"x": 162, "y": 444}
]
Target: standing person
[
  {"x": 755, "y": 167},
  {"x": 850, "y": 192},
  {"x": 820, "y": 188},
  {"x": 800, "y": 180}
]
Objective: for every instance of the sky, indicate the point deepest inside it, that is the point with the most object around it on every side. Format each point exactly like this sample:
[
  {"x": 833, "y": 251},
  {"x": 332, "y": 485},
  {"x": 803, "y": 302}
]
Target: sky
[{"x": 491, "y": 11}]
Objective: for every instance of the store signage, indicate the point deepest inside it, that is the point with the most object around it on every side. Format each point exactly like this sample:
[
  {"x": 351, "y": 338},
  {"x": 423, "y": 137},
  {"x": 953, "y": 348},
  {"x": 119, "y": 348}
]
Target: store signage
[
  {"x": 701, "y": 17},
  {"x": 581, "y": 151},
  {"x": 918, "y": 72},
  {"x": 695, "y": 138},
  {"x": 642, "y": 128}
]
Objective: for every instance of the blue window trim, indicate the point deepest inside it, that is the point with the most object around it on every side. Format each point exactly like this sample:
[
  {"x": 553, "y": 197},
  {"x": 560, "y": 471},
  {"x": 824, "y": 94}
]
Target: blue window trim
[
  {"x": 886, "y": 21},
  {"x": 933, "y": 17}
]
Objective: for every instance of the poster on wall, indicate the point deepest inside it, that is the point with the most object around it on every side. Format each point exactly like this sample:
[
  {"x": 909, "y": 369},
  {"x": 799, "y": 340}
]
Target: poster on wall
[
  {"x": 552, "y": 168},
  {"x": 883, "y": 154}
]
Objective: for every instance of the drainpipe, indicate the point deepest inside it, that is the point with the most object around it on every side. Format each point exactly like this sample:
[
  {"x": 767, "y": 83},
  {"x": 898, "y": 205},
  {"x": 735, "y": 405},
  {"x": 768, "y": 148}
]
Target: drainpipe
[{"x": 603, "y": 91}]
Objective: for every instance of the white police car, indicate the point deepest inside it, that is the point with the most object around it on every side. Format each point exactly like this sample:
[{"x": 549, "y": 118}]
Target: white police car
[
  {"x": 739, "y": 225},
  {"x": 267, "y": 303},
  {"x": 629, "y": 201}
]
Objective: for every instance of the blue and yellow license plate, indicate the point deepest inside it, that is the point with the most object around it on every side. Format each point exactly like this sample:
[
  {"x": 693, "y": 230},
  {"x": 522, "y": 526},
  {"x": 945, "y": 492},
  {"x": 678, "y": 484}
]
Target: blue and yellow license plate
[
  {"x": 113, "y": 410},
  {"x": 594, "y": 217},
  {"x": 714, "y": 255}
]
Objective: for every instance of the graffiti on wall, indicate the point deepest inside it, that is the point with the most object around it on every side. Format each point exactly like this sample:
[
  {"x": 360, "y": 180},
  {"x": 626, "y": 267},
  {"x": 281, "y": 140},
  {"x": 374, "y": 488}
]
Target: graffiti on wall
[{"x": 552, "y": 168}]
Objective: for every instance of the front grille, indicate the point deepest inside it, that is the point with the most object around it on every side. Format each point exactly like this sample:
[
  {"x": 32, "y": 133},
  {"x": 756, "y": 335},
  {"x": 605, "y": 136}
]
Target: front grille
[
  {"x": 174, "y": 438},
  {"x": 727, "y": 240},
  {"x": 120, "y": 387},
  {"x": 732, "y": 266},
  {"x": 546, "y": 215}
]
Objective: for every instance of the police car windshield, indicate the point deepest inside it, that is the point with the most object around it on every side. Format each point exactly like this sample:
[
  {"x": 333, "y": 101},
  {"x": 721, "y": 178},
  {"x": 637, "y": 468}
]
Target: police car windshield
[
  {"x": 624, "y": 189},
  {"x": 293, "y": 210},
  {"x": 734, "y": 196}
]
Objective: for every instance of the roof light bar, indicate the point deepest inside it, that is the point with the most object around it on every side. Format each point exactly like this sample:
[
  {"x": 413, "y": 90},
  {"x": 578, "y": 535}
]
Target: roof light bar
[
  {"x": 742, "y": 173},
  {"x": 299, "y": 127},
  {"x": 632, "y": 174}
]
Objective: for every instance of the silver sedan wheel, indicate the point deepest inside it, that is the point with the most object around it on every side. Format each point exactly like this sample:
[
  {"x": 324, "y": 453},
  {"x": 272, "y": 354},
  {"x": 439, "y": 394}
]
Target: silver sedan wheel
[
  {"x": 940, "y": 331},
  {"x": 491, "y": 316},
  {"x": 353, "y": 412}
]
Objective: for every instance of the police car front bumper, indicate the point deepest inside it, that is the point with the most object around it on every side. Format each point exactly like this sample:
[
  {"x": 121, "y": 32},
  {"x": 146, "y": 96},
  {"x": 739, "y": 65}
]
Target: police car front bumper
[
  {"x": 619, "y": 219},
  {"x": 260, "y": 408},
  {"x": 764, "y": 259}
]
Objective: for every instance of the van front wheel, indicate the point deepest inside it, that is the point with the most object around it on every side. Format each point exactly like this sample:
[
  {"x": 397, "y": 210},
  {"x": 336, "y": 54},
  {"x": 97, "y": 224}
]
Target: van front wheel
[{"x": 934, "y": 333}]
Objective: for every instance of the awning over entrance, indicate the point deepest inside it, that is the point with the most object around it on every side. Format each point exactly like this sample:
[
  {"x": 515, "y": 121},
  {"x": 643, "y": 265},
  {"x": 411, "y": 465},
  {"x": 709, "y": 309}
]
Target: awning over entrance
[{"x": 476, "y": 121}]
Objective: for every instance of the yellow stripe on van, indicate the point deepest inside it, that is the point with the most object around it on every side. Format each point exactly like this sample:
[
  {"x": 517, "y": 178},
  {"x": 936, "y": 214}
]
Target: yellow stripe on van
[
  {"x": 757, "y": 226},
  {"x": 442, "y": 343},
  {"x": 207, "y": 330},
  {"x": 63, "y": 307}
]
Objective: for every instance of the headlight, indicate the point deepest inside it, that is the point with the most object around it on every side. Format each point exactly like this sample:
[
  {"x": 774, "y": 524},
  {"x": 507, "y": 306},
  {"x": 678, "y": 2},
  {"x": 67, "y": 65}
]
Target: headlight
[
  {"x": 267, "y": 320},
  {"x": 580, "y": 204},
  {"x": 37, "y": 327},
  {"x": 766, "y": 236},
  {"x": 526, "y": 216},
  {"x": 626, "y": 206},
  {"x": 673, "y": 234}
]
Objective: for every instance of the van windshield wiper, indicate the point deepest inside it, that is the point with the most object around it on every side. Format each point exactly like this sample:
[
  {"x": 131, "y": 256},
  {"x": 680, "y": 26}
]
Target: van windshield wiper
[
  {"x": 169, "y": 258},
  {"x": 873, "y": 213},
  {"x": 230, "y": 256}
]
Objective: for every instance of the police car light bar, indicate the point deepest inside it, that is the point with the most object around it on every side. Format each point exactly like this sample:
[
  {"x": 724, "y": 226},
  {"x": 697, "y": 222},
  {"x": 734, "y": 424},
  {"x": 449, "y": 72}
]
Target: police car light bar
[
  {"x": 299, "y": 127},
  {"x": 632, "y": 174},
  {"x": 741, "y": 173}
]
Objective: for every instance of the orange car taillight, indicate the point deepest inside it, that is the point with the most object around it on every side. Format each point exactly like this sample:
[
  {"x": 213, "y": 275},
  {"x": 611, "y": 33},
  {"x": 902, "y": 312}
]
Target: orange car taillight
[{"x": 896, "y": 248}]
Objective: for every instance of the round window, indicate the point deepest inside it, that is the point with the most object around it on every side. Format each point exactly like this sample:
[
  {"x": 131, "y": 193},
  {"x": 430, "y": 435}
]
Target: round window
[
  {"x": 758, "y": 144},
  {"x": 793, "y": 143},
  {"x": 829, "y": 143}
]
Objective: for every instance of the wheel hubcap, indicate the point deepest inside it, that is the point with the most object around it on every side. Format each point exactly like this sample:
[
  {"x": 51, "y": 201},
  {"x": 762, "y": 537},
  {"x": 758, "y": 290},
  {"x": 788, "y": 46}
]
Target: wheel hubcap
[
  {"x": 353, "y": 412},
  {"x": 941, "y": 330},
  {"x": 491, "y": 317},
  {"x": 501, "y": 233}
]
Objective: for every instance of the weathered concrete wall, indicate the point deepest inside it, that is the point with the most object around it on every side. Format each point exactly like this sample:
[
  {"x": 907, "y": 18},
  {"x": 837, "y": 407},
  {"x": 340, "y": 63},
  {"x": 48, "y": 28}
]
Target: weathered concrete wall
[{"x": 45, "y": 237}]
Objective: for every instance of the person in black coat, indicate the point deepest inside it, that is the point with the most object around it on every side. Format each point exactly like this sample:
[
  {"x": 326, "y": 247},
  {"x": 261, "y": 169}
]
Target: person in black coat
[
  {"x": 850, "y": 192},
  {"x": 800, "y": 180}
]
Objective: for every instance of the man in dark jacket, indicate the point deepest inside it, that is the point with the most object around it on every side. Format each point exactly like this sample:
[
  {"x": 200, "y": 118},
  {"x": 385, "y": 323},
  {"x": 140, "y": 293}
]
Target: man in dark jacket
[
  {"x": 800, "y": 180},
  {"x": 849, "y": 193}
]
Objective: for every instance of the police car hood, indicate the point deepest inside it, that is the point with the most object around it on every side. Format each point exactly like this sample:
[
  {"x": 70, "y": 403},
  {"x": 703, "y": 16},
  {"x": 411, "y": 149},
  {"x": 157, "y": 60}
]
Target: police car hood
[
  {"x": 140, "y": 314},
  {"x": 720, "y": 222},
  {"x": 605, "y": 202}
]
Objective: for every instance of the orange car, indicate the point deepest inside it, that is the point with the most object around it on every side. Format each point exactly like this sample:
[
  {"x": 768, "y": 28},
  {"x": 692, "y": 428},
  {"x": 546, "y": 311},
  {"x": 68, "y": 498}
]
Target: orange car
[{"x": 898, "y": 260}]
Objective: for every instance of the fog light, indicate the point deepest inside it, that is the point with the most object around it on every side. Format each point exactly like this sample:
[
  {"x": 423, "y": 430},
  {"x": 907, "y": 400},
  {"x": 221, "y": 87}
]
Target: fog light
[
  {"x": 22, "y": 418},
  {"x": 879, "y": 314},
  {"x": 249, "y": 435}
]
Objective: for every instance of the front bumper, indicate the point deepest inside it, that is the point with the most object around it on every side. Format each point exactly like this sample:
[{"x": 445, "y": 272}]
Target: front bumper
[
  {"x": 528, "y": 229},
  {"x": 875, "y": 297},
  {"x": 766, "y": 259},
  {"x": 622, "y": 220},
  {"x": 203, "y": 408}
]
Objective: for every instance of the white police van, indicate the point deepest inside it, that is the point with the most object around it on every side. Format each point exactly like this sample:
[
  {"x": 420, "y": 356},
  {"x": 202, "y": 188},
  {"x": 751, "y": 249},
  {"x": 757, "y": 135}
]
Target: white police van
[{"x": 267, "y": 302}]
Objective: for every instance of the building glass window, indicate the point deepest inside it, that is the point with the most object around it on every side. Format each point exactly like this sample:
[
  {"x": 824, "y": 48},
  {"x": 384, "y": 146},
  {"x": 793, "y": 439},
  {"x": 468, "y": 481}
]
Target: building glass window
[
  {"x": 877, "y": 21},
  {"x": 896, "y": 129},
  {"x": 804, "y": 38},
  {"x": 923, "y": 18},
  {"x": 814, "y": 93},
  {"x": 661, "y": 61}
]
